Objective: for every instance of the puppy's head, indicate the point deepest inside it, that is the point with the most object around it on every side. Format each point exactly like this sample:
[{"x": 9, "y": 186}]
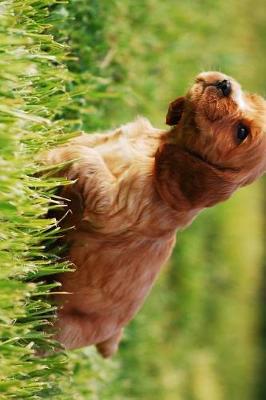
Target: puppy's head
[{"x": 220, "y": 130}]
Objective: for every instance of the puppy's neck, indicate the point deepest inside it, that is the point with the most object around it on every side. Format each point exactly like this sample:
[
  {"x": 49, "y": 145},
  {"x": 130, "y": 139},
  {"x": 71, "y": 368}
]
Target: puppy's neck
[
  {"x": 167, "y": 177},
  {"x": 187, "y": 183}
]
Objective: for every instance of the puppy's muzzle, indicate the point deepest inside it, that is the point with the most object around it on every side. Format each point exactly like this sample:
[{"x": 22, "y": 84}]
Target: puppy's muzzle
[
  {"x": 225, "y": 87},
  {"x": 217, "y": 80}
]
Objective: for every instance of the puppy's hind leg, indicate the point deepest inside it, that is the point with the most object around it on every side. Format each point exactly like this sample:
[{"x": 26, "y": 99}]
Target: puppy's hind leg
[
  {"x": 109, "y": 347},
  {"x": 74, "y": 331}
]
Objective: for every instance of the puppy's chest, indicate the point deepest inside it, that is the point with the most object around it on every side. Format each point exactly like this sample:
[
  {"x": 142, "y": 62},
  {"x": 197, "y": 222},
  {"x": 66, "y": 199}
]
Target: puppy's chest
[
  {"x": 122, "y": 270},
  {"x": 132, "y": 275}
]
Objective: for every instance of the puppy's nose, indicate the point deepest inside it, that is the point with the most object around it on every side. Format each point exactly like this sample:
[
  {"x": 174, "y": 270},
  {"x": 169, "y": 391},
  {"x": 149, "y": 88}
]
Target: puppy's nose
[{"x": 225, "y": 86}]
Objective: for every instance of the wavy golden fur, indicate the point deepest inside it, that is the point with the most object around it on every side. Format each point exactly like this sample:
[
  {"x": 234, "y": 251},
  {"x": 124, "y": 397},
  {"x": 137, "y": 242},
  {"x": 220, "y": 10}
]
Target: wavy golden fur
[{"x": 135, "y": 187}]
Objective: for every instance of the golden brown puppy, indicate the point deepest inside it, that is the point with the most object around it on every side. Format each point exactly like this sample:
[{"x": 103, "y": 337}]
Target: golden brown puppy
[{"x": 135, "y": 187}]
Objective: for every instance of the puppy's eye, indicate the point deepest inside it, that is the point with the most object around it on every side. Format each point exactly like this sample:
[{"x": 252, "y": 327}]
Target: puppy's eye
[{"x": 242, "y": 132}]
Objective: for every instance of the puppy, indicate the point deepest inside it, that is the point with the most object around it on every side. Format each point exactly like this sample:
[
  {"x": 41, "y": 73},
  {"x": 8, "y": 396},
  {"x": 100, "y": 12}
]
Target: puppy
[{"x": 135, "y": 187}]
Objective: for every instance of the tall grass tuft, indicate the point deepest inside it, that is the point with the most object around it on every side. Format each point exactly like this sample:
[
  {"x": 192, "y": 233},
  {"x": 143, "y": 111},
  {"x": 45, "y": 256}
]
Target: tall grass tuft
[{"x": 37, "y": 90}]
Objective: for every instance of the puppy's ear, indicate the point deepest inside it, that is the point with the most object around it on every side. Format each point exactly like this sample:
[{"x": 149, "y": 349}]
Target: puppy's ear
[
  {"x": 175, "y": 111},
  {"x": 187, "y": 182}
]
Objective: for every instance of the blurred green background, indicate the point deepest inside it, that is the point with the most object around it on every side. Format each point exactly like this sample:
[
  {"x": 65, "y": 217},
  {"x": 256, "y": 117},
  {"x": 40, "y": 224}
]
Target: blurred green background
[{"x": 201, "y": 333}]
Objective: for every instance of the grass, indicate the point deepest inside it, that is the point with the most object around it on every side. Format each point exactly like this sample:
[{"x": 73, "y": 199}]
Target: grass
[
  {"x": 35, "y": 94},
  {"x": 74, "y": 66}
]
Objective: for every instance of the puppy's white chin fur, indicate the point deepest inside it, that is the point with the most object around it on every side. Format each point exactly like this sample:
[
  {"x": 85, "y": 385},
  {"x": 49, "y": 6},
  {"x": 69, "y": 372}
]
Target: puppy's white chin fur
[{"x": 239, "y": 98}]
